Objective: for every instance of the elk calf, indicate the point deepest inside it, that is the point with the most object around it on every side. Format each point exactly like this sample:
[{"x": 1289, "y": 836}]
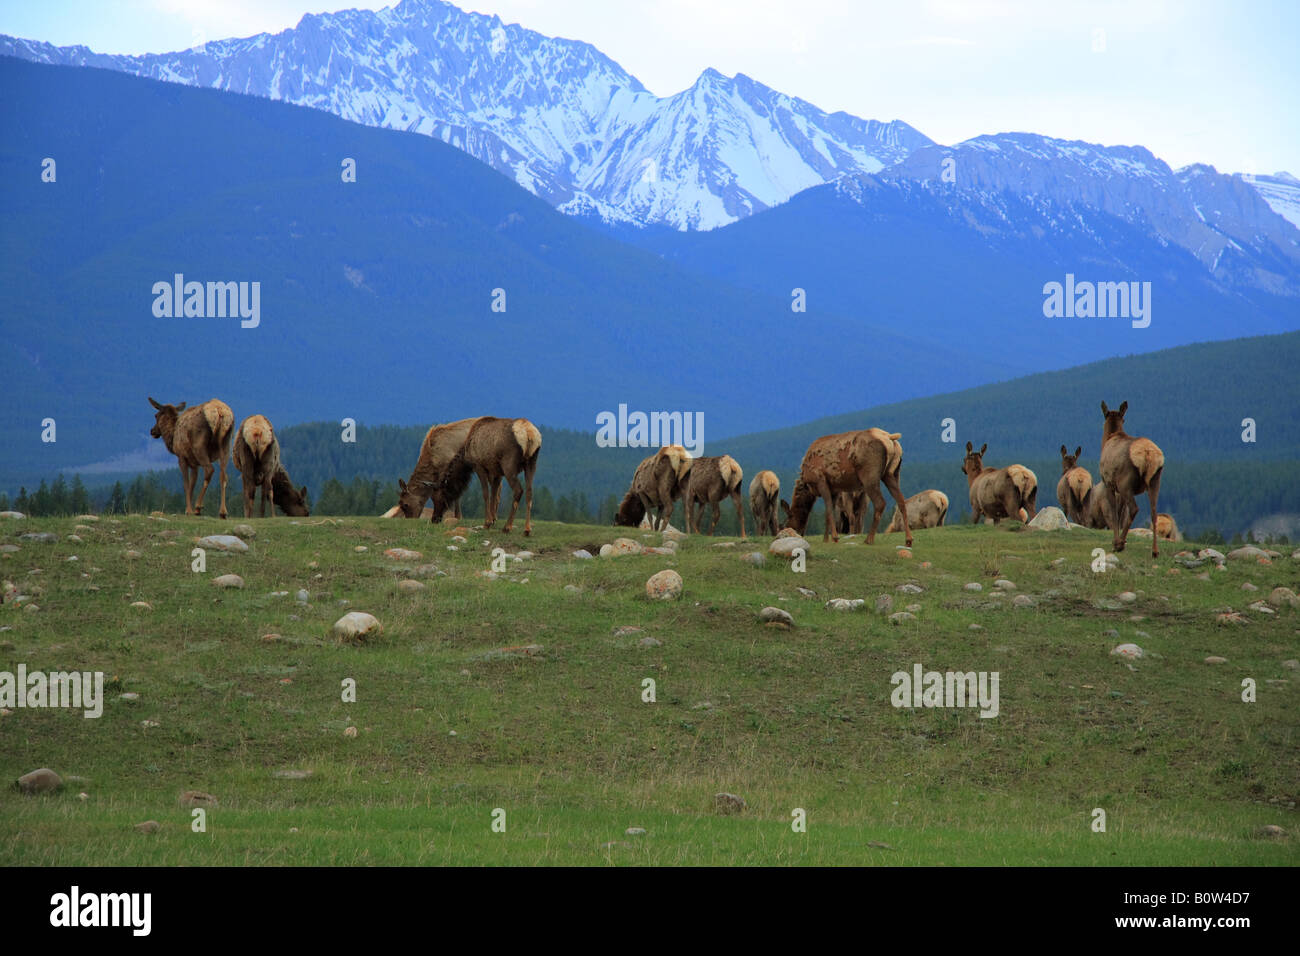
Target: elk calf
[
  {"x": 998, "y": 492},
  {"x": 1074, "y": 487},
  {"x": 198, "y": 437},
  {"x": 764, "y": 495},
  {"x": 708, "y": 481},
  {"x": 1129, "y": 466}
]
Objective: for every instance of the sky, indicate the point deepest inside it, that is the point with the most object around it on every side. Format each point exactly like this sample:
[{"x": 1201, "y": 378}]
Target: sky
[{"x": 1211, "y": 82}]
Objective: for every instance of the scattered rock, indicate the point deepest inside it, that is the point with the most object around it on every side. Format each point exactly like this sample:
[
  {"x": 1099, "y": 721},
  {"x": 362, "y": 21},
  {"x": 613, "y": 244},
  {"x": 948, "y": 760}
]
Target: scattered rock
[
  {"x": 149, "y": 826},
  {"x": 228, "y": 581},
  {"x": 573, "y": 589},
  {"x": 885, "y": 604},
  {"x": 244, "y": 531},
  {"x": 975, "y": 627},
  {"x": 133, "y": 555},
  {"x": 403, "y": 554},
  {"x": 291, "y": 774},
  {"x": 913, "y": 609},
  {"x": 903, "y": 552},
  {"x": 806, "y": 593},
  {"x": 142, "y": 605},
  {"x": 634, "y": 831},
  {"x": 197, "y": 798},
  {"x": 1216, "y": 660},
  {"x": 664, "y": 586},
  {"x": 649, "y": 642},
  {"x": 1247, "y": 586},
  {"x": 12, "y": 515},
  {"x": 770, "y": 615},
  {"x": 1002, "y": 584},
  {"x": 1230, "y": 617},
  {"x": 1247, "y": 553},
  {"x": 1128, "y": 651},
  {"x": 845, "y": 604},
  {"x": 1292, "y": 664},
  {"x": 361, "y": 548},
  {"x": 1128, "y": 597},
  {"x": 973, "y": 586},
  {"x": 1259, "y": 607},
  {"x": 1280, "y": 597},
  {"x": 44, "y": 780},
  {"x": 627, "y": 630},
  {"x": 1271, "y": 831},
  {"x": 410, "y": 585},
  {"x": 302, "y": 597},
  {"x": 349, "y": 732},
  {"x": 755, "y": 558},
  {"x": 356, "y": 626},
  {"x": 728, "y": 803},
  {"x": 1023, "y": 600},
  {"x": 786, "y": 546},
  {"x": 39, "y": 537},
  {"x": 1050, "y": 519},
  {"x": 223, "y": 542},
  {"x": 901, "y": 616},
  {"x": 582, "y": 553}
]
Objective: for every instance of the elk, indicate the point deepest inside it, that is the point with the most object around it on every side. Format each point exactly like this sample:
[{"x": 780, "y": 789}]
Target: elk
[
  {"x": 1073, "y": 488},
  {"x": 494, "y": 448},
  {"x": 1097, "y": 508},
  {"x": 853, "y": 462},
  {"x": 998, "y": 492},
  {"x": 1167, "y": 527},
  {"x": 440, "y": 445},
  {"x": 708, "y": 481},
  {"x": 657, "y": 483},
  {"x": 198, "y": 437},
  {"x": 1129, "y": 466},
  {"x": 257, "y": 456},
  {"x": 764, "y": 494},
  {"x": 925, "y": 509}
]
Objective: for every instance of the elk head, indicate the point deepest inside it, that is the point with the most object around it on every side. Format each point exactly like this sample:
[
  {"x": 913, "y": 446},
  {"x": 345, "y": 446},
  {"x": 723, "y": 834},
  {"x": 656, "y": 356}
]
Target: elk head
[
  {"x": 974, "y": 461},
  {"x": 1114, "y": 420},
  {"x": 1069, "y": 461}
]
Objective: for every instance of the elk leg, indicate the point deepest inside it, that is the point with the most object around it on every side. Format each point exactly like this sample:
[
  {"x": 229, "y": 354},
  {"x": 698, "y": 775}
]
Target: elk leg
[
  {"x": 486, "y": 487},
  {"x": 188, "y": 475},
  {"x": 207, "y": 479},
  {"x": 1153, "y": 492},
  {"x": 268, "y": 494},
  {"x": 717, "y": 513},
  {"x": 1116, "y": 518},
  {"x": 517, "y": 491},
  {"x": 529, "y": 468},
  {"x": 877, "y": 510},
  {"x": 832, "y": 531},
  {"x": 224, "y": 479},
  {"x": 250, "y": 492},
  {"x": 740, "y": 512},
  {"x": 891, "y": 482}
]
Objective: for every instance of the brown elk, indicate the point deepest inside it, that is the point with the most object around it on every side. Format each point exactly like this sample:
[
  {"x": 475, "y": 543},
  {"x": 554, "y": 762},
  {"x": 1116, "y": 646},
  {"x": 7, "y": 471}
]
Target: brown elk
[
  {"x": 657, "y": 483},
  {"x": 708, "y": 481},
  {"x": 257, "y": 456},
  {"x": 198, "y": 437},
  {"x": 764, "y": 494},
  {"x": 998, "y": 492},
  {"x": 1073, "y": 488},
  {"x": 1167, "y": 527},
  {"x": 494, "y": 448},
  {"x": 1097, "y": 508},
  {"x": 925, "y": 509},
  {"x": 1129, "y": 466},
  {"x": 853, "y": 462},
  {"x": 440, "y": 445}
]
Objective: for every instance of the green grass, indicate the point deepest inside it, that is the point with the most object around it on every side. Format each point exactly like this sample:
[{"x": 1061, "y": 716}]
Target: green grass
[{"x": 563, "y": 743}]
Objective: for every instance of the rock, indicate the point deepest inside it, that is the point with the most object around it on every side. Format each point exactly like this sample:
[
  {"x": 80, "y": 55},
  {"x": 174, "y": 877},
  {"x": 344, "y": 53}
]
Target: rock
[
  {"x": 1261, "y": 608},
  {"x": 128, "y": 696},
  {"x": 1002, "y": 584},
  {"x": 410, "y": 586},
  {"x": 624, "y": 546},
  {"x": 845, "y": 604},
  {"x": 1216, "y": 660},
  {"x": 573, "y": 589},
  {"x": 975, "y": 627},
  {"x": 755, "y": 558},
  {"x": 291, "y": 774},
  {"x": 1218, "y": 557},
  {"x": 197, "y": 798},
  {"x": 223, "y": 542},
  {"x": 627, "y": 630},
  {"x": 1280, "y": 597},
  {"x": 634, "y": 831},
  {"x": 244, "y": 531},
  {"x": 785, "y": 547},
  {"x": 302, "y": 597},
  {"x": 1247, "y": 553},
  {"x": 75, "y": 538},
  {"x": 649, "y": 642},
  {"x": 1291, "y": 664},
  {"x": 1128, "y": 651},
  {"x": 44, "y": 780},
  {"x": 910, "y": 588},
  {"x": 903, "y": 552},
  {"x": 142, "y": 605},
  {"x": 524, "y": 556},
  {"x": 885, "y": 604},
  {"x": 913, "y": 609},
  {"x": 1023, "y": 600},
  {"x": 360, "y": 549},
  {"x": 1050, "y": 519},
  {"x": 788, "y": 533},
  {"x": 1247, "y": 586},
  {"x": 228, "y": 581},
  {"x": 149, "y": 826},
  {"x": 403, "y": 554},
  {"x": 133, "y": 555},
  {"x": 606, "y": 550},
  {"x": 1271, "y": 831},
  {"x": 806, "y": 593},
  {"x": 900, "y": 616},
  {"x": 973, "y": 586},
  {"x": 664, "y": 586},
  {"x": 356, "y": 626},
  {"x": 9, "y": 548},
  {"x": 770, "y": 615},
  {"x": 39, "y": 537},
  {"x": 349, "y": 732},
  {"x": 582, "y": 553},
  {"x": 1128, "y": 597},
  {"x": 12, "y": 515},
  {"x": 728, "y": 803}
]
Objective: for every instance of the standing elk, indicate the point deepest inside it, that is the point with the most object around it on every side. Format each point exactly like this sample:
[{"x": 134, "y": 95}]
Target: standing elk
[
  {"x": 257, "y": 456},
  {"x": 1074, "y": 487},
  {"x": 494, "y": 448},
  {"x": 708, "y": 481},
  {"x": 441, "y": 444},
  {"x": 1129, "y": 466},
  {"x": 925, "y": 509},
  {"x": 657, "y": 483},
  {"x": 998, "y": 492},
  {"x": 764, "y": 495},
  {"x": 853, "y": 462},
  {"x": 198, "y": 437}
]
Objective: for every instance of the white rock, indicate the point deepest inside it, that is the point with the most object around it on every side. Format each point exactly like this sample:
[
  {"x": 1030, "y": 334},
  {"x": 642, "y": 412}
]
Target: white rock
[
  {"x": 664, "y": 586},
  {"x": 845, "y": 604},
  {"x": 1050, "y": 519},
  {"x": 228, "y": 581},
  {"x": 785, "y": 547},
  {"x": 770, "y": 615},
  {"x": 222, "y": 542},
  {"x": 973, "y": 586},
  {"x": 356, "y": 626},
  {"x": 1128, "y": 651}
]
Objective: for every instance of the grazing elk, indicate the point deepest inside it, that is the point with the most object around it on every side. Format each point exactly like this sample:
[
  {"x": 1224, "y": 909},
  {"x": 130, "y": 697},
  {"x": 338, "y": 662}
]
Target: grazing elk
[
  {"x": 657, "y": 483},
  {"x": 708, "y": 481},
  {"x": 853, "y": 462},
  {"x": 998, "y": 492},
  {"x": 198, "y": 437},
  {"x": 1073, "y": 488},
  {"x": 925, "y": 509},
  {"x": 494, "y": 448},
  {"x": 1167, "y": 527},
  {"x": 764, "y": 494},
  {"x": 1129, "y": 466},
  {"x": 257, "y": 456},
  {"x": 440, "y": 445}
]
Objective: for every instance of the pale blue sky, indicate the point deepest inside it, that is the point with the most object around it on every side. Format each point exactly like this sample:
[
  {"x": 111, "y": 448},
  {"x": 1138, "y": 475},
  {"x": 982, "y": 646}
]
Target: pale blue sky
[{"x": 1213, "y": 82}]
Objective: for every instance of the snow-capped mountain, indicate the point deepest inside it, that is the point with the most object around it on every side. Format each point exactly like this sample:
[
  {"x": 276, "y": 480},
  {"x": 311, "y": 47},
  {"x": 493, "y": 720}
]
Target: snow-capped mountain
[
  {"x": 1281, "y": 191},
  {"x": 1223, "y": 220},
  {"x": 556, "y": 115}
]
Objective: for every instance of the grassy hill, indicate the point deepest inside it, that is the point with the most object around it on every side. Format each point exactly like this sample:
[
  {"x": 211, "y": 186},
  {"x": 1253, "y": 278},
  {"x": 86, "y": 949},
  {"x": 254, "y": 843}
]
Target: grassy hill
[{"x": 454, "y": 719}]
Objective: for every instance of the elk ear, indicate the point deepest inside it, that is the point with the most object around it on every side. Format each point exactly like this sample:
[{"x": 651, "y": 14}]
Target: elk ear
[
  {"x": 303, "y": 491},
  {"x": 1078, "y": 451},
  {"x": 983, "y": 449},
  {"x": 1104, "y": 409},
  {"x": 969, "y": 448},
  {"x": 1123, "y": 408},
  {"x": 180, "y": 407},
  {"x": 154, "y": 404},
  {"x": 1062, "y": 451},
  {"x": 402, "y": 485}
]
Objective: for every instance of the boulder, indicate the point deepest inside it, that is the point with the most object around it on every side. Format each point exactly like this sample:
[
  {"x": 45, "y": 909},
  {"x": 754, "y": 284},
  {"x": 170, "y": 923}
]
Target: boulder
[
  {"x": 784, "y": 547},
  {"x": 356, "y": 626},
  {"x": 1050, "y": 519},
  {"x": 44, "y": 780},
  {"x": 664, "y": 586},
  {"x": 775, "y": 615},
  {"x": 222, "y": 542}
]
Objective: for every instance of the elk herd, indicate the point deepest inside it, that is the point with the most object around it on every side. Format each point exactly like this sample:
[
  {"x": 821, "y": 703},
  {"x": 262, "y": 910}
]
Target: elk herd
[{"x": 845, "y": 471}]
